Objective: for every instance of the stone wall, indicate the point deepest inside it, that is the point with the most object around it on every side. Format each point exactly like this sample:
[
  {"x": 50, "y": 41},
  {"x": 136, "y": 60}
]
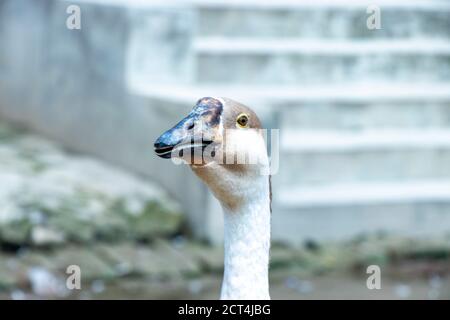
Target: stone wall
[{"x": 71, "y": 85}]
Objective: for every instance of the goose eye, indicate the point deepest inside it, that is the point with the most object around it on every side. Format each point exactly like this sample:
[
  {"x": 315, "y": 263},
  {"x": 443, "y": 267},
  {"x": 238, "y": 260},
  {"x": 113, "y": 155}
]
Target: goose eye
[{"x": 242, "y": 120}]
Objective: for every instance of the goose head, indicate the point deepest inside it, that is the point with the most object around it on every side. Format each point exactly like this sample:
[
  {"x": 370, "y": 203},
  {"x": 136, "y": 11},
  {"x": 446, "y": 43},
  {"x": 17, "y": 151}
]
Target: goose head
[{"x": 222, "y": 141}]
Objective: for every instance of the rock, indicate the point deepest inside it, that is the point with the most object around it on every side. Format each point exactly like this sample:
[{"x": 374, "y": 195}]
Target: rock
[
  {"x": 402, "y": 291},
  {"x": 159, "y": 260},
  {"x": 49, "y": 197},
  {"x": 210, "y": 258},
  {"x": 17, "y": 295},
  {"x": 132, "y": 259},
  {"x": 92, "y": 266},
  {"x": 41, "y": 236},
  {"x": 177, "y": 259},
  {"x": 45, "y": 284},
  {"x": 282, "y": 257},
  {"x": 12, "y": 272},
  {"x": 154, "y": 221},
  {"x": 15, "y": 232}
]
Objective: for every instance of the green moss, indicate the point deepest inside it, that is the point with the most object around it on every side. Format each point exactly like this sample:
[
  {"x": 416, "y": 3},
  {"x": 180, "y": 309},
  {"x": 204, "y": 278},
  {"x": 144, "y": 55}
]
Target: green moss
[
  {"x": 153, "y": 221},
  {"x": 16, "y": 232},
  {"x": 74, "y": 230},
  {"x": 65, "y": 218},
  {"x": 426, "y": 254}
]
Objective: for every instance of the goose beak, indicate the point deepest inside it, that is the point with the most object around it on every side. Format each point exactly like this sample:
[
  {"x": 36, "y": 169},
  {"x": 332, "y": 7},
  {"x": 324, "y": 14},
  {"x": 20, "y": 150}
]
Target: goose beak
[
  {"x": 187, "y": 136},
  {"x": 192, "y": 134}
]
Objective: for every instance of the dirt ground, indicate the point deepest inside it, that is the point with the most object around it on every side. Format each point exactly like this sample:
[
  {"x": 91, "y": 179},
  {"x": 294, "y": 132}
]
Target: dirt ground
[
  {"x": 418, "y": 274},
  {"x": 330, "y": 286},
  {"x": 283, "y": 286},
  {"x": 334, "y": 286}
]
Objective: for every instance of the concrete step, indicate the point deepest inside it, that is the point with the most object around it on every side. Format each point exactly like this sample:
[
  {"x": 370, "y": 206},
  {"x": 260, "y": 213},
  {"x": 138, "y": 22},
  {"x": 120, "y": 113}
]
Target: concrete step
[
  {"x": 314, "y": 157},
  {"x": 338, "y": 223},
  {"x": 368, "y": 140},
  {"x": 323, "y": 47},
  {"x": 271, "y": 102},
  {"x": 411, "y": 208},
  {"x": 305, "y": 4},
  {"x": 323, "y": 19},
  {"x": 281, "y": 96},
  {"x": 285, "y": 61},
  {"x": 369, "y": 115},
  {"x": 365, "y": 194}
]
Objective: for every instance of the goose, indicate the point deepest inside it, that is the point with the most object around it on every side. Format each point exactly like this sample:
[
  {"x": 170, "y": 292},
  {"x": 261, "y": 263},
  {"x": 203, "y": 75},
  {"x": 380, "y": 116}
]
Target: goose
[{"x": 218, "y": 139}]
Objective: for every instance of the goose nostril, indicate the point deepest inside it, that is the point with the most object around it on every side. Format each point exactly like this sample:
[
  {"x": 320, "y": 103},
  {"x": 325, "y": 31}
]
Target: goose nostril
[{"x": 158, "y": 144}]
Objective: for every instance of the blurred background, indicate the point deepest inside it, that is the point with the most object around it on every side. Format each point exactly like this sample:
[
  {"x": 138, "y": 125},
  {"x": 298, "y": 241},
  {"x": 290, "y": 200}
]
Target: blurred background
[{"x": 364, "y": 119}]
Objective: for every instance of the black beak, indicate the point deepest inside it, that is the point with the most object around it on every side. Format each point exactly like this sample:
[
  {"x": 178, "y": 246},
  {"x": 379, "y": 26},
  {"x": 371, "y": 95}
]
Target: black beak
[
  {"x": 162, "y": 150},
  {"x": 165, "y": 144},
  {"x": 181, "y": 138}
]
